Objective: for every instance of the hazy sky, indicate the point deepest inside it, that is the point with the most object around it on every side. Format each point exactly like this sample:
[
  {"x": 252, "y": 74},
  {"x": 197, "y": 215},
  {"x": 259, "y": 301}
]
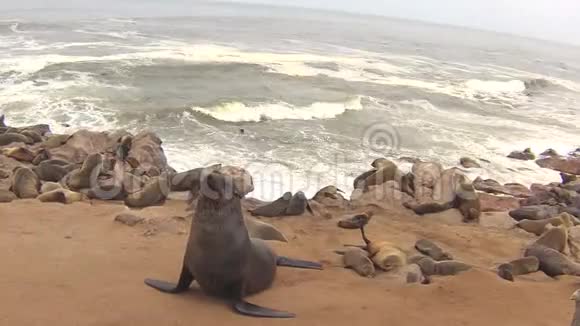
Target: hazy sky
[
  {"x": 547, "y": 19},
  {"x": 557, "y": 20}
]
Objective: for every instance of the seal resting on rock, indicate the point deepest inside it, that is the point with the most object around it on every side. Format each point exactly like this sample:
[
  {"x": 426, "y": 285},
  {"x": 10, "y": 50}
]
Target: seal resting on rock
[
  {"x": 356, "y": 222},
  {"x": 12, "y": 137},
  {"x": 154, "y": 193},
  {"x": 25, "y": 183},
  {"x": 221, "y": 256},
  {"x": 22, "y": 154}
]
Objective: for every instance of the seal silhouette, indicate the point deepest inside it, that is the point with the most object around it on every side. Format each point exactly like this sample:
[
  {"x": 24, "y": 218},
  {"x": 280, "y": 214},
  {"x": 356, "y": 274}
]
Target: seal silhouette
[{"x": 220, "y": 255}]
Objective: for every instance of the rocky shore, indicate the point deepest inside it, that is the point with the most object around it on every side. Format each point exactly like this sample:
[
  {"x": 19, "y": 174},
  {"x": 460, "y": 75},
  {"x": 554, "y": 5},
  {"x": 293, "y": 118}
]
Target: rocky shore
[{"x": 426, "y": 227}]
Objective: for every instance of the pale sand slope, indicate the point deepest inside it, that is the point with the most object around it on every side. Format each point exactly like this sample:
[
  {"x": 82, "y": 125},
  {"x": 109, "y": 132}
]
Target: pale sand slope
[{"x": 72, "y": 265}]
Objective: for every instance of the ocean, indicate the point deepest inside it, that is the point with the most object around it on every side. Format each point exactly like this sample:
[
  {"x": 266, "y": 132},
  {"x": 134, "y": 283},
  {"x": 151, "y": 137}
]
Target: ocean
[{"x": 318, "y": 95}]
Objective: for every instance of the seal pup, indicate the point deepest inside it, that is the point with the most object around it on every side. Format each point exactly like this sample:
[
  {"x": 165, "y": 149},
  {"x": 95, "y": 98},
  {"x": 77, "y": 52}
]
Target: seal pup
[{"x": 220, "y": 254}]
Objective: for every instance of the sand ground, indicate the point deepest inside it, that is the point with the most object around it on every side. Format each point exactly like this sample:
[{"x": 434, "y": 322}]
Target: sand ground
[{"x": 72, "y": 265}]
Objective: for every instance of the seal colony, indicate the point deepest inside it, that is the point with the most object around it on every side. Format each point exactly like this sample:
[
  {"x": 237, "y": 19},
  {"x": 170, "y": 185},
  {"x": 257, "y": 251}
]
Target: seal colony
[{"x": 226, "y": 253}]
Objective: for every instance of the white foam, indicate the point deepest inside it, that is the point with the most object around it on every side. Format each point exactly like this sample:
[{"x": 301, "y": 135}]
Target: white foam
[
  {"x": 495, "y": 86},
  {"x": 14, "y": 28},
  {"x": 236, "y": 111},
  {"x": 119, "y": 35}
]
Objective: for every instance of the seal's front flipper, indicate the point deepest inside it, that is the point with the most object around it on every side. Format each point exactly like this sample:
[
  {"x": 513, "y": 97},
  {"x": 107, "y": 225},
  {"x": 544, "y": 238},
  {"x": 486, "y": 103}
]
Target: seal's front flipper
[
  {"x": 249, "y": 309},
  {"x": 182, "y": 285},
  {"x": 289, "y": 262}
]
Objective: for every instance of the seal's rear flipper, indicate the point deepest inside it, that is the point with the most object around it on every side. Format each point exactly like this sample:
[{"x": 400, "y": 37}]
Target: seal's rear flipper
[
  {"x": 289, "y": 262},
  {"x": 249, "y": 309},
  {"x": 183, "y": 284}
]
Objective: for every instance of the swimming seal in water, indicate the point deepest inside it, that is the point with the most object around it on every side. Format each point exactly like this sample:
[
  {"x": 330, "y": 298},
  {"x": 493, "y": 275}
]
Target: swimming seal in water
[{"x": 221, "y": 256}]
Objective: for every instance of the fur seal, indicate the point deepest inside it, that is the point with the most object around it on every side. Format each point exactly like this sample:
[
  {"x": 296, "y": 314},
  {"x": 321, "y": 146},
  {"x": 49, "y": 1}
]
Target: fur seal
[
  {"x": 32, "y": 135},
  {"x": 52, "y": 172},
  {"x": 275, "y": 208},
  {"x": 220, "y": 254},
  {"x": 86, "y": 176},
  {"x": 356, "y": 222},
  {"x": 260, "y": 230},
  {"x": 186, "y": 181},
  {"x": 432, "y": 250},
  {"x": 49, "y": 186},
  {"x": 359, "y": 261},
  {"x": 538, "y": 227},
  {"x": 153, "y": 193},
  {"x": 518, "y": 267},
  {"x": 12, "y": 137},
  {"x": 552, "y": 262},
  {"x": 386, "y": 255},
  {"x": 21, "y": 154},
  {"x": 63, "y": 196},
  {"x": 298, "y": 205},
  {"x": 25, "y": 183},
  {"x": 442, "y": 268},
  {"x": 41, "y": 156}
]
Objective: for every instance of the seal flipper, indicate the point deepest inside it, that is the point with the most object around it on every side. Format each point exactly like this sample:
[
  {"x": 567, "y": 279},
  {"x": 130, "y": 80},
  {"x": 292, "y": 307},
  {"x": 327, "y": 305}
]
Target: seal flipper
[
  {"x": 289, "y": 262},
  {"x": 249, "y": 309},
  {"x": 182, "y": 285}
]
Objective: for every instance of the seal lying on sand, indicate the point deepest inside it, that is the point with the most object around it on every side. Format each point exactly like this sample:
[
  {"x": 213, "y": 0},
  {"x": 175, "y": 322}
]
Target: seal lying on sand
[
  {"x": 287, "y": 205},
  {"x": 221, "y": 256}
]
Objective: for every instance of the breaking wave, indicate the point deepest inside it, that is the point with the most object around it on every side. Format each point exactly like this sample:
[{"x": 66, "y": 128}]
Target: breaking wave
[{"x": 238, "y": 112}]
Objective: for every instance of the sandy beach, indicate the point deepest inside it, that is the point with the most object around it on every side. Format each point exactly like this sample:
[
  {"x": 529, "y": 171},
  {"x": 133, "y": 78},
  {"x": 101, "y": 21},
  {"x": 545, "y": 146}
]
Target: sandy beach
[{"x": 73, "y": 265}]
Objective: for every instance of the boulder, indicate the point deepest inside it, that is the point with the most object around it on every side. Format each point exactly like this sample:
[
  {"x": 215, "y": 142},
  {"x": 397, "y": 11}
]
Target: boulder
[
  {"x": 492, "y": 203},
  {"x": 539, "y": 212},
  {"x": 494, "y": 187},
  {"x": 146, "y": 149},
  {"x": 525, "y": 155},
  {"x": 550, "y": 152},
  {"x": 426, "y": 176},
  {"x": 570, "y": 165},
  {"x": 81, "y": 144}
]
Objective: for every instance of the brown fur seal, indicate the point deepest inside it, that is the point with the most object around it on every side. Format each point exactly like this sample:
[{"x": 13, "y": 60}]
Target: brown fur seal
[
  {"x": 33, "y": 135},
  {"x": 538, "y": 227},
  {"x": 386, "y": 256},
  {"x": 49, "y": 186},
  {"x": 22, "y": 154},
  {"x": 86, "y": 176},
  {"x": 186, "y": 181},
  {"x": 442, "y": 268},
  {"x": 553, "y": 262},
  {"x": 12, "y": 137},
  {"x": 518, "y": 267},
  {"x": 432, "y": 250},
  {"x": 260, "y": 230},
  {"x": 41, "y": 156},
  {"x": 25, "y": 183},
  {"x": 298, "y": 205},
  {"x": 153, "y": 193},
  {"x": 359, "y": 261},
  {"x": 356, "y": 222},
  {"x": 275, "y": 208},
  {"x": 64, "y": 196},
  {"x": 51, "y": 171},
  {"x": 220, "y": 254}
]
